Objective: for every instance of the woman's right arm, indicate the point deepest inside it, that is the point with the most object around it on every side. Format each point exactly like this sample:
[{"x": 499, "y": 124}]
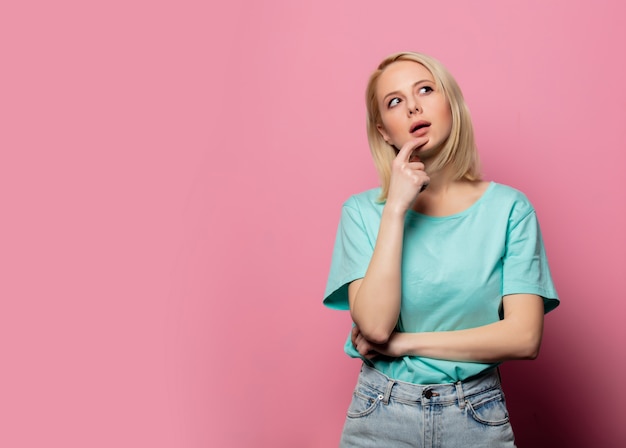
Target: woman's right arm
[{"x": 375, "y": 299}]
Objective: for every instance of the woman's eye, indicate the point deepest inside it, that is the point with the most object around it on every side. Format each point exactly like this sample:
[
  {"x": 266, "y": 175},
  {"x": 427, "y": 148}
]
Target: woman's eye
[
  {"x": 393, "y": 102},
  {"x": 425, "y": 89}
]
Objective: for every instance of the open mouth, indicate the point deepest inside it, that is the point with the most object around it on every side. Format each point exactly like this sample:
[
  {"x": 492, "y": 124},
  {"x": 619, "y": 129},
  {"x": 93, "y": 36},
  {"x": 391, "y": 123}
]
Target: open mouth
[{"x": 419, "y": 125}]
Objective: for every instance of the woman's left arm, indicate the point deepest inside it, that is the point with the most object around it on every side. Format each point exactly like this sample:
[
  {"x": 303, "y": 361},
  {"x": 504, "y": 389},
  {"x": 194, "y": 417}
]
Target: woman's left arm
[{"x": 516, "y": 336}]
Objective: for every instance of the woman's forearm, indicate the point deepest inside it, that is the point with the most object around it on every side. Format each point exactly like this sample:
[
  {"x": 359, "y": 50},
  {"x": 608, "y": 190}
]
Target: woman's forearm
[
  {"x": 497, "y": 342},
  {"x": 517, "y": 336},
  {"x": 375, "y": 299}
]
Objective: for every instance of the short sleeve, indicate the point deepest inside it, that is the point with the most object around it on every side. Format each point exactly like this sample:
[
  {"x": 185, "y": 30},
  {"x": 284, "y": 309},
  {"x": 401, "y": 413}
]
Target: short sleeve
[
  {"x": 525, "y": 265},
  {"x": 351, "y": 256}
]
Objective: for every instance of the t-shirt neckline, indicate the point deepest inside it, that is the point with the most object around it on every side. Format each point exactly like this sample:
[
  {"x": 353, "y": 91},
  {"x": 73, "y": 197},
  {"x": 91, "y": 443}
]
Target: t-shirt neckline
[{"x": 460, "y": 214}]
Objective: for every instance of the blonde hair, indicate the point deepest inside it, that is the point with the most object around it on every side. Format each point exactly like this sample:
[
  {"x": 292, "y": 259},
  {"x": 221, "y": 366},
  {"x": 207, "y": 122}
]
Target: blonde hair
[{"x": 458, "y": 151}]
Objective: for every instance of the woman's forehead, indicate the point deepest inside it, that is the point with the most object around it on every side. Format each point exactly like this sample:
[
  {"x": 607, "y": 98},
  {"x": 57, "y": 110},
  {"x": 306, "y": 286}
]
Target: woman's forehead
[{"x": 402, "y": 74}]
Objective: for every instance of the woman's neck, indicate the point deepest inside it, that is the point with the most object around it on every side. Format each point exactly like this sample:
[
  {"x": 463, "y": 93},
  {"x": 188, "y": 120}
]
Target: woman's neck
[
  {"x": 440, "y": 181},
  {"x": 447, "y": 196}
]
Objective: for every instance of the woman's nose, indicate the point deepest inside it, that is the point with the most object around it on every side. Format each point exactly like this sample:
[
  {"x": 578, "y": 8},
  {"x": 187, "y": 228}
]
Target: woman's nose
[{"x": 413, "y": 107}]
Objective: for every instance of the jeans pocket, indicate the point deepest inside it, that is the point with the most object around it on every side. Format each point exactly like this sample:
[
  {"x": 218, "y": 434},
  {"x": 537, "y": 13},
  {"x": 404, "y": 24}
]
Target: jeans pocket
[
  {"x": 364, "y": 401},
  {"x": 488, "y": 408}
]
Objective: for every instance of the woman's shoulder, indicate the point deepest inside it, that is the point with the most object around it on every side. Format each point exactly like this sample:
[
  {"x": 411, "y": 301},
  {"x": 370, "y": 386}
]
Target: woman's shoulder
[
  {"x": 365, "y": 199},
  {"x": 363, "y": 207},
  {"x": 507, "y": 192},
  {"x": 511, "y": 198}
]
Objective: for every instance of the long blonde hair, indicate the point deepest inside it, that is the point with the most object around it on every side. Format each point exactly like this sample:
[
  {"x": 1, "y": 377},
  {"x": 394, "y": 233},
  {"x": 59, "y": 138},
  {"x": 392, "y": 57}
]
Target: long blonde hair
[{"x": 458, "y": 151}]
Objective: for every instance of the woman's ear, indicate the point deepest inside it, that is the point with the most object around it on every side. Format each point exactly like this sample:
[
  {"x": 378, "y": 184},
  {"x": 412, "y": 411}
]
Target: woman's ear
[{"x": 381, "y": 129}]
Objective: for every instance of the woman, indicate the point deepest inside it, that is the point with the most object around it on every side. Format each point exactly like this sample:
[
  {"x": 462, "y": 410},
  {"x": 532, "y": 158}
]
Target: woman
[{"x": 445, "y": 275}]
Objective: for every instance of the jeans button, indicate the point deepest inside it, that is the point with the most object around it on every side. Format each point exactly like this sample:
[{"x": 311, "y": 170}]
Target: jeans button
[{"x": 428, "y": 393}]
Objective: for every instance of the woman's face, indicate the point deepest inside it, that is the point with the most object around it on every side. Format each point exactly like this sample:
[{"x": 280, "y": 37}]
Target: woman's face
[{"x": 411, "y": 106}]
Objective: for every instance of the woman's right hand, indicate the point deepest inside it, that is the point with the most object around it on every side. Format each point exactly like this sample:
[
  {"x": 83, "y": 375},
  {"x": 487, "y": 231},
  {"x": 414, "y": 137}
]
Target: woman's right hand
[{"x": 408, "y": 177}]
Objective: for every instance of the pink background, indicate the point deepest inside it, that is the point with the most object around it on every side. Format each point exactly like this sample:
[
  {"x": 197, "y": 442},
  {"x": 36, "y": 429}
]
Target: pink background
[{"x": 171, "y": 176}]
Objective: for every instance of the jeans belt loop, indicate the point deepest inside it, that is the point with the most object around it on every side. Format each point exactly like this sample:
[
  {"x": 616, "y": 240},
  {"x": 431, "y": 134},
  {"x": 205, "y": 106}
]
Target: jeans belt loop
[
  {"x": 390, "y": 384},
  {"x": 460, "y": 394}
]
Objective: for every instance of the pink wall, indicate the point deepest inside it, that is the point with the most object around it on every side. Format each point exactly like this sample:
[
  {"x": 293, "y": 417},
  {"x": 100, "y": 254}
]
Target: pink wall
[{"x": 171, "y": 175}]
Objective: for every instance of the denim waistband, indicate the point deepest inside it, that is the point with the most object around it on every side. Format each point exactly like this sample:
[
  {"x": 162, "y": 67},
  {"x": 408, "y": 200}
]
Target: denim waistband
[{"x": 442, "y": 394}]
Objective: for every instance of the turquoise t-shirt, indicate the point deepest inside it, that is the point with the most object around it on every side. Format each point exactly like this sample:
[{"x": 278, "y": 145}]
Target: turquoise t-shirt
[{"x": 455, "y": 271}]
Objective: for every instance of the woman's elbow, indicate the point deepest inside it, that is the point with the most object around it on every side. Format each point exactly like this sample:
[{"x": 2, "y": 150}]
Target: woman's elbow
[
  {"x": 530, "y": 354},
  {"x": 376, "y": 335},
  {"x": 374, "y": 330},
  {"x": 529, "y": 348}
]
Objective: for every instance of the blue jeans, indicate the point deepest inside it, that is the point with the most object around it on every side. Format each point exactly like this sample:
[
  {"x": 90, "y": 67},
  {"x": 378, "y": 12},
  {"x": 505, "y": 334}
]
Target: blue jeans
[{"x": 386, "y": 413}]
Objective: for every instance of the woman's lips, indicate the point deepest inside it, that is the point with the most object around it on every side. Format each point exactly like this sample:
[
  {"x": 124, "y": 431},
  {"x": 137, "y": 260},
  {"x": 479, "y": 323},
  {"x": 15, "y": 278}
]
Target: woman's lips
[
  {"x": 420, "y": 128},
  {"x": 420, "y": 131}
]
